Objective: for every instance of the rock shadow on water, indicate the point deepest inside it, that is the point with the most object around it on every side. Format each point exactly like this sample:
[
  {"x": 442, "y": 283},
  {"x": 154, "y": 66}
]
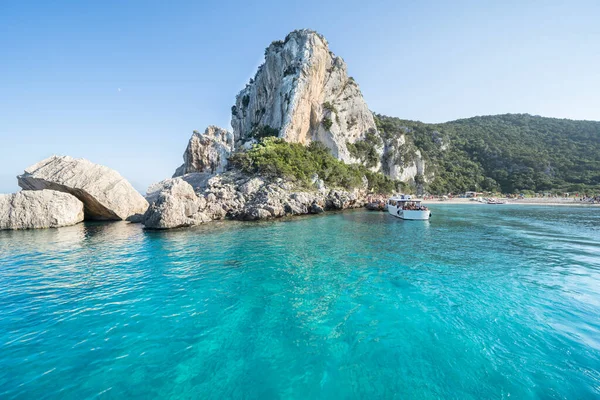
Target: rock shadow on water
[{"x": 67, "y": 238}]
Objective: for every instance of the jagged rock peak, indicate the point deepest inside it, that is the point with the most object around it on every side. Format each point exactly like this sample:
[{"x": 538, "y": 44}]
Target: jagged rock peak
[
  {"x": 301, "y": 93},
  {"x": 207, "y": 152}
]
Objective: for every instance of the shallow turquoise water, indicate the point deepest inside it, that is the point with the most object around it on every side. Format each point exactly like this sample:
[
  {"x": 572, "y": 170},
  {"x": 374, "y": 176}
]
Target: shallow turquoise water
[{"x": 480, "y": 302}]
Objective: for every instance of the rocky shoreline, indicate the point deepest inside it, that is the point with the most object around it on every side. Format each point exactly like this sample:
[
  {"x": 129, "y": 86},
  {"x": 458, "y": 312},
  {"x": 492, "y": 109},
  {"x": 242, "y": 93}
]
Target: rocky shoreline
[
  {"x": 63, "y": 191},
  {"x": 232, "y": 195}
]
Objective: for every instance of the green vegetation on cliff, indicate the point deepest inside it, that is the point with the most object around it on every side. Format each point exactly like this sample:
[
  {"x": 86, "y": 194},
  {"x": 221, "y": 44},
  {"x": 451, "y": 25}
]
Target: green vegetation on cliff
[
  {"x": 278, "y": 158},
  {"x": 263, "y": 131},
  {"x": 510, "y": 153},
  {"x": 366, "y": 150}
]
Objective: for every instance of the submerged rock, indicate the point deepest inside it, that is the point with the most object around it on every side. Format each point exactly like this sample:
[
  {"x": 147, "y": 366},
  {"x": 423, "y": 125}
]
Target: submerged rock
[
  {"x": 207, "y": 152},
  {"x": 29, "y": 209},
  {"x": 106, "y": 195}
]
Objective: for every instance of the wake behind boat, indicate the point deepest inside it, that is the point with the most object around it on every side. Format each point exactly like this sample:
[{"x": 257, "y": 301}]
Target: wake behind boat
[{"x": 405, "y": 207}]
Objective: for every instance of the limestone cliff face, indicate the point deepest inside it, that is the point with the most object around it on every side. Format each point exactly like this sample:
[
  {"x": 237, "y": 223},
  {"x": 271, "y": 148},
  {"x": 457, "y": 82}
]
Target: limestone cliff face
[
  {"x": 303, "y": 93},
  {"x": 402, "y": 160},
  {"x": 207, "y": 152}
]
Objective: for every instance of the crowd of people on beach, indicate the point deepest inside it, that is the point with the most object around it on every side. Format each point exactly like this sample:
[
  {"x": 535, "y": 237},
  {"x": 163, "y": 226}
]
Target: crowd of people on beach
[
  {"x": 379, "y": 202},
  {"x": 590, "y": 199},
  {"x": 584, "y": 197}
]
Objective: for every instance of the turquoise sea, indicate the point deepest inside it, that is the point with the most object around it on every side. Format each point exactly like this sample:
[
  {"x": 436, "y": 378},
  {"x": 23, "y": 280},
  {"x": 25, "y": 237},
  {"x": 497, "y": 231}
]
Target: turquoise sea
[{"x": 482, "y": 302}]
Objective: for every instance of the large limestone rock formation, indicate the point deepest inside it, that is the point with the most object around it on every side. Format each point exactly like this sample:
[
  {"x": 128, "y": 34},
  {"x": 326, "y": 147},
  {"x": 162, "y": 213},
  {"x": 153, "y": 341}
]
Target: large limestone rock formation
[
  {"x": 303, "y": 92},
  {"x": 105, "y": 194},
  {"x": 39, "y": 209},
  {"x": 207, "y": 152}
]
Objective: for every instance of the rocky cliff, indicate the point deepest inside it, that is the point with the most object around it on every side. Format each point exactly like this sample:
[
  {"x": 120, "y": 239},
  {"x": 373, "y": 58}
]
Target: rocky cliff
[
  {"x": 402, "y": 160},
  {"x": 301, "y": 93}
]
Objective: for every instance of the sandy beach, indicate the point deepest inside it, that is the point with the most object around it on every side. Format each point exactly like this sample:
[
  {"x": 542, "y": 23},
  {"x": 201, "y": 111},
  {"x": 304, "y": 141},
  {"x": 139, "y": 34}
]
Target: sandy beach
[{"x": 530, "y": 201}]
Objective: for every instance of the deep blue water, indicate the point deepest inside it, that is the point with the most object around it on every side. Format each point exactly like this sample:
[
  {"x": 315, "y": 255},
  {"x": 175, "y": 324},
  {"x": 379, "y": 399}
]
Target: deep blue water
[{"x": 482, "y": 302}]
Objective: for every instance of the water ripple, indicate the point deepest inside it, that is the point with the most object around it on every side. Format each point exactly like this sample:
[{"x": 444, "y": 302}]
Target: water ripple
[{"x": 480, "y": 302}]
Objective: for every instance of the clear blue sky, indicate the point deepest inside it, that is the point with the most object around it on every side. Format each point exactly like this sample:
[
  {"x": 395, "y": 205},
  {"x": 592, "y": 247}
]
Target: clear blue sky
[{"x": 124, "y": 83}]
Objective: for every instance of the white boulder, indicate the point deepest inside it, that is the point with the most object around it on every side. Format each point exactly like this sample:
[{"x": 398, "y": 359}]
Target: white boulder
[
  {"x": 173, "y": 204},
  {"x": 31, "y": 209},
  {"x": 105, "y": 194}
]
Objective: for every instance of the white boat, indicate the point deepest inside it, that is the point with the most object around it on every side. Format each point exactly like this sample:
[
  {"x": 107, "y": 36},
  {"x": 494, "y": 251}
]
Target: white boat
[
  {"x": 405, "y": 207},
  {"x": 493, "y": 200}
]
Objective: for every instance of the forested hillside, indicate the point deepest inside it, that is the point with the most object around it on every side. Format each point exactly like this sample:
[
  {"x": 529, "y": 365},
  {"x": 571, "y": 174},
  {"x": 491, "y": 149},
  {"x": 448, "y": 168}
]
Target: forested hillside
[{"x": 510, "y": 153}]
